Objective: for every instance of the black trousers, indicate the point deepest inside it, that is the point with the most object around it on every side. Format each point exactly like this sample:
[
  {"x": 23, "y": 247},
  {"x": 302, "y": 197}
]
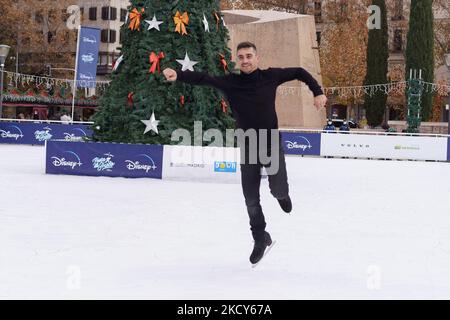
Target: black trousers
[{"x": 251, "y": 181}]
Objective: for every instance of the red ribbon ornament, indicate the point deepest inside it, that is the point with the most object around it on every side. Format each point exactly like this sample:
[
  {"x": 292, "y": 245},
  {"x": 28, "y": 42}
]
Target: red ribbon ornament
[
  {"x": 224, "y": 105},
  {"x": 217, "y": 19},
  {"x": 155, "y": 61},
  {"x": 223, "y": 62},
  {"x": 130, "y": 99}
]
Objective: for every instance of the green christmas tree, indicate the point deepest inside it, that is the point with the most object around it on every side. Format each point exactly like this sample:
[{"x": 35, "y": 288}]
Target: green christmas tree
[
  {"x": 161, "y": 34},
  {"x": 420, "y": 48},
  {"x": 377, "y": 68}
]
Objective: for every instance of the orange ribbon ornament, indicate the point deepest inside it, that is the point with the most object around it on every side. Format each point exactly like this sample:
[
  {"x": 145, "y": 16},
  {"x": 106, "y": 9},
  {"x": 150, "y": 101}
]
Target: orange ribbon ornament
[
  {"x": 223, "y": 62},
  {"x": 182, "y": 100},
  {"x": 217, "y": 19},
  {"x": 135, "y": 19},
  {"x": 155, "y": 61},
  {"x": 181, "y": 20}
]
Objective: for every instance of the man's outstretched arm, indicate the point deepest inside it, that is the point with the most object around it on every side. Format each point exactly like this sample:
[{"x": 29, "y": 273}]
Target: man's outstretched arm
[
  {"x": 195, "y": 78},
  {"x": 288, "y": 74}
]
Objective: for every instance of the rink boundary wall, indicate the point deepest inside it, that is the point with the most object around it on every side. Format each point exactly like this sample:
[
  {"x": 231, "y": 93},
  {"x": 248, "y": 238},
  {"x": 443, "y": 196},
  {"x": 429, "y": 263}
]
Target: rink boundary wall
[
  {"x": 356, "y": 144},
  {"x": 35, "y": 133},
  {"x": 208, "y": 164},
  {"x": 220, "y": 165}
]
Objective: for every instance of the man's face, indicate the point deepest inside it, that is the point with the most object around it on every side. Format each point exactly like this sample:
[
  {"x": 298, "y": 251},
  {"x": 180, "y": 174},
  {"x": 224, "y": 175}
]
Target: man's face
[{"x": 247, "y": 60}]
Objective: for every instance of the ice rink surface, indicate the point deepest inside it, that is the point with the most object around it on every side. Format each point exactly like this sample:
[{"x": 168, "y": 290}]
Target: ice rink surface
[{"x": 360, "y": 229}]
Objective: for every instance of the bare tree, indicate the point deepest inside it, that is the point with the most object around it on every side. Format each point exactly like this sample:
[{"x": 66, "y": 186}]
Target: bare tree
[{"x": 37, "y": 31}]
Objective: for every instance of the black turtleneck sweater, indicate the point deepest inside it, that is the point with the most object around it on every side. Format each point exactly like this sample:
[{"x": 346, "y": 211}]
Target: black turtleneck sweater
[{"x": 252, "y": 96}]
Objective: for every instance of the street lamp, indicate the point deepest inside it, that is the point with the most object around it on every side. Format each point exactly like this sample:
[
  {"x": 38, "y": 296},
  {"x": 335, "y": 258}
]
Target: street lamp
[
  {"x": 447, "y": 63},
  {"x": 4, "y": 50}
]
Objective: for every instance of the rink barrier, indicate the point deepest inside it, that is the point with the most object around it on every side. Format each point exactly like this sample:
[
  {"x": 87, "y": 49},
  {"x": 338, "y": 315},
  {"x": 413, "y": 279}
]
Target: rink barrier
[
  {"x": 304, "y": 142},
  {"x": 207, "y": 164},
  {"x": 103, "y": 159},
  {"x": 222, "y": 165},
  {"x": 385, "y": 147},
  {"x": 34, "y": 133}
]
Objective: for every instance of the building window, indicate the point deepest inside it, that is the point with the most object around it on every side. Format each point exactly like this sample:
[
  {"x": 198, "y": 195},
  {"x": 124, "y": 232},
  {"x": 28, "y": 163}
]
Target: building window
[
  {"x": 123, "y": 15},
  {"x": 103, "y": 59},
  {"x": 113, "y": 14},
  {"x": 398, "y": 40},
  {"x": 105, "y": 13},
  {"x": 93, "y": 14},
  {"x": 112, "y": 36},
  {"x": 318, "y": 10},
  {"x": 319, "y": 36},
  {"x": 104, "y": 36},
  {"x": 109, "y": 13},
  {"x": 108, "y": 36}
]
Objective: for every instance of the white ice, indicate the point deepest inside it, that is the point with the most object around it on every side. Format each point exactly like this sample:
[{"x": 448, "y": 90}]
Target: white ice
[{"x": 360, "y": 229}]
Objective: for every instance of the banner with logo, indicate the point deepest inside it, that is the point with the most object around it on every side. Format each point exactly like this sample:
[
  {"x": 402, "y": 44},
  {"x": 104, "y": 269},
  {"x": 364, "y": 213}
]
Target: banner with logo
[
  {"x": 389, "y": 147},
  {"x": 38, "y": 133},
  {"x": 196, "y": 163},
  {"x": 301, "y": 143},
  {"x": 87, "y": 56},
  {"x": 104, "y": 159}
]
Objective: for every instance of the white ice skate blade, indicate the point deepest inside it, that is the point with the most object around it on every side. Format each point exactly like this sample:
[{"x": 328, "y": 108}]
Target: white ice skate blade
[{"x": 265, "y": 253}]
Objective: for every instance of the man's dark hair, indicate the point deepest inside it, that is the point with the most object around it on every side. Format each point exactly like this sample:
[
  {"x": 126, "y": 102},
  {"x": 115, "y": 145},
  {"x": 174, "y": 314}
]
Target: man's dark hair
[{"x": 245, "y": 44}]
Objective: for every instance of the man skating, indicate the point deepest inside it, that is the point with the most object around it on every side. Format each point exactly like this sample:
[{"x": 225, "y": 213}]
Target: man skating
[{"x": 252, "y": 99}]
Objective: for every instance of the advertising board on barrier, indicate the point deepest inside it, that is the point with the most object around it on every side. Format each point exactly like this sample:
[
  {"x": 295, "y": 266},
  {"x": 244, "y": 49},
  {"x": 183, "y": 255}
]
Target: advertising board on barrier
[
  {"x": 38, "y": 133},
  {"x": 198, "y": 163},
  {"x": 390, "y": 147},
  {"x": 104, "y": 159},
  {"x": 301, "y": 143}
]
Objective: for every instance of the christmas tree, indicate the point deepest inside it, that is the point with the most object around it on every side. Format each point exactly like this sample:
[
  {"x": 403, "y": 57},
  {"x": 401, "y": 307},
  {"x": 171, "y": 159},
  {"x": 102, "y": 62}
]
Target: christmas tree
[{"x": 159, "y": 34}]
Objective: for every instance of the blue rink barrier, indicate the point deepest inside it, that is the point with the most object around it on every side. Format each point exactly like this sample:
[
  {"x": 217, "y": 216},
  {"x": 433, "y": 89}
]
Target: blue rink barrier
[
  {"x": 104, "y": 159},
  {"x": 208, "y": 164},
  {"x": 37, "y": 133},
  {"x": 294, "y": 143}
]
